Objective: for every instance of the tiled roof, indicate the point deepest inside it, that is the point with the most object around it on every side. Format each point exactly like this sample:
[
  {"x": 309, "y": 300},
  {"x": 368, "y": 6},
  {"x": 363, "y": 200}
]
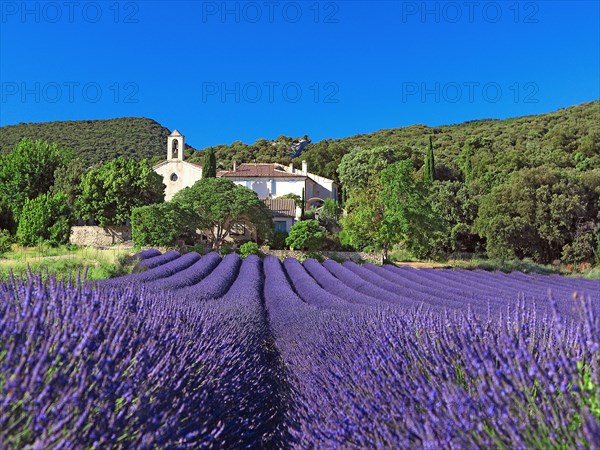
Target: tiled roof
[
  {"x": 259, "y": 170},
  {"x": 281, "y": 207}
]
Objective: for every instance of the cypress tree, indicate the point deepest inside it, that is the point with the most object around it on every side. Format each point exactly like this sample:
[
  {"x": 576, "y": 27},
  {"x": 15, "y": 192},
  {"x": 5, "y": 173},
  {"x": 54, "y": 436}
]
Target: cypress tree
[
  {"x": 209, "y": 164},
  {"x": 466, "y": 161},
  {"x": 429, "y": 173}
]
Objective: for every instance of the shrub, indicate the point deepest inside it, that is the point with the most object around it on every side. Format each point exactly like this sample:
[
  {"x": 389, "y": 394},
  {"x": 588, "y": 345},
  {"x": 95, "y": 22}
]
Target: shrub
[
  {"x": 226, "y": 250},
  {"x": 279, "y": 238},
  {"x": 306, "y": 235},
  {"x": 249, "y": 248}
]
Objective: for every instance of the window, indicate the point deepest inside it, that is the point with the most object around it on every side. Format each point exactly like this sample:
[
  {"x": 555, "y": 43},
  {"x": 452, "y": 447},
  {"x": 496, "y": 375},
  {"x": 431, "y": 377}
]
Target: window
[
  {"x": 273, "y": 187},
  {"x": 174, "y": 177},
  {"x": 280, "y": 226},
  {"x": 175, "y": 149}
]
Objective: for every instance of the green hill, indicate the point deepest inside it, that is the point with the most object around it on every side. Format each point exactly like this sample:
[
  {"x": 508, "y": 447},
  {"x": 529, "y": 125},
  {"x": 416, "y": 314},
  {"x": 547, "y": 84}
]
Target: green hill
[
  {"x": 564, "y": 138},
  {"x": 95, "y": 141}
]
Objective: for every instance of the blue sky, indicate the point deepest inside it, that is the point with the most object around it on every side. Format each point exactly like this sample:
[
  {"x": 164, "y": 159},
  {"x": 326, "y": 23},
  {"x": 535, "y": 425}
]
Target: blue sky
[{"x": 225, "y": 71}]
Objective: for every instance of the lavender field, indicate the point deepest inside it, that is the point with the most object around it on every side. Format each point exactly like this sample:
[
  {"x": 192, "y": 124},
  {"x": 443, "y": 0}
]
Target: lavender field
[{"x": 195, "y": 351}]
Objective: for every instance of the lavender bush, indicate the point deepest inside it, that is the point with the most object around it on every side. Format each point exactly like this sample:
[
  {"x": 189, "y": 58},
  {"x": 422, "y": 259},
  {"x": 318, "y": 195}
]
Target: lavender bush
[{"x": 204, "y": 352}]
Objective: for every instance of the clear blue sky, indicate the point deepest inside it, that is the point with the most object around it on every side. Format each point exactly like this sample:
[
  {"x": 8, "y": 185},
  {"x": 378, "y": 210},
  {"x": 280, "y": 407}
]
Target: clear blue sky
[{"x": 226, "y": 71}]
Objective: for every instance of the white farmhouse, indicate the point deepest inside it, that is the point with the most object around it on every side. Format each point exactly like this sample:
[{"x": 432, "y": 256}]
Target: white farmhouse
[
  {"x": 269, "y": 181},
  {"x": 177, "y": 173},
  {"x": 275, "y": 180}
]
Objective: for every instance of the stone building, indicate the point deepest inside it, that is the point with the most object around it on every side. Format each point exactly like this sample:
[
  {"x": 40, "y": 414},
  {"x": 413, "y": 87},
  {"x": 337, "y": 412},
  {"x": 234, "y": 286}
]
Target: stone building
[{"x": 177, "y": 173}]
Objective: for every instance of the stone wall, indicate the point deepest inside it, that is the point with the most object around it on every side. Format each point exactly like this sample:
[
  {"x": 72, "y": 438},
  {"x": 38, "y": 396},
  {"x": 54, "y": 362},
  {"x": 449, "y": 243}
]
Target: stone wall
[
  {"x": 358, "y": 257},
  {"x": 88, "y": 236}
]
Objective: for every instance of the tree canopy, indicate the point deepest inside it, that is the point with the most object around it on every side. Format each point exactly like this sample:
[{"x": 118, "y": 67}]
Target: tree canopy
[
  {"x": 209, "y": 164},
  {"x": 28, "y": 171},
  {"x": 390, "y": 209},
  {"x": 96, "y": 141},
  {"x": 359, "y": 165},
  {"x": 217, "y": 205},
  {"x": 110, "y": 192},
  {"x": 45, "y": 218}
]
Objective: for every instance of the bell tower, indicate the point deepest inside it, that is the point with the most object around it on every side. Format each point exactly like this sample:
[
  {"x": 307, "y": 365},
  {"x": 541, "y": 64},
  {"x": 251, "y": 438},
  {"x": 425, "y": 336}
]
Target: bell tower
[{"x": 175, "y": 146}]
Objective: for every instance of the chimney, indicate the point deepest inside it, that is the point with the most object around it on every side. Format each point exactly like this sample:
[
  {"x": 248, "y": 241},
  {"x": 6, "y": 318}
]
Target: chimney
[
  {"x": 304, "y": 167},
  {"x": 291, "y": 170},
  {"x": 234, "y": 166}
]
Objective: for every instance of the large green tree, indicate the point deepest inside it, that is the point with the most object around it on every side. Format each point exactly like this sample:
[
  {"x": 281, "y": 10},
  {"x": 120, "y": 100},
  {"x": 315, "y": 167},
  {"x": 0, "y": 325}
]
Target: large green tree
[
  {"x": 217, "y": 205},
  {"x": 209, "y": 164},
  {"x": 45, "y": 218},
  {"x": 158, "y": 225},
  {"x": 455, "y": 205},
  {"x": 535, "y": 214},
  {"x": 67, "y": 179},
  {"x": 389, "y": 210},
  {"x": 109, "y": 193},
  {"x": 28, "y": 171}
]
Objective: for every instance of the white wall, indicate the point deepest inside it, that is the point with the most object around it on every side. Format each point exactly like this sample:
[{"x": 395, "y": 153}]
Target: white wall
[
  {"x": 323, "y": 187},
  {"x": 187, "y": 175},
  {"x": 275, "y": 187}
]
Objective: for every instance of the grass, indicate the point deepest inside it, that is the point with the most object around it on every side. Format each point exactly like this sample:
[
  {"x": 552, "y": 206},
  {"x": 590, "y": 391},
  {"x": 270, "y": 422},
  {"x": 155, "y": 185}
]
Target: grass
[
  {"x": 66, "y": 261},
  {"x": 400, "y": 254},
  {"x": 512, "y": 265}
]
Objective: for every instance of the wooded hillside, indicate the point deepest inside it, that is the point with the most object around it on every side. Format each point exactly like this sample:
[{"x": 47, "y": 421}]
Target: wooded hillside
[{"x": 95, "y": 141}]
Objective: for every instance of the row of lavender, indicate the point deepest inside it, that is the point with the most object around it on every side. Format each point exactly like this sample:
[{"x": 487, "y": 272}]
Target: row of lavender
[
  {"x": 529, "y": 380},
  {"x": 362, "y": 356},
  {"x": 125, "y": 365},
  {"x": 416, "y": 378},
  {"x": 485, "y": 294}
]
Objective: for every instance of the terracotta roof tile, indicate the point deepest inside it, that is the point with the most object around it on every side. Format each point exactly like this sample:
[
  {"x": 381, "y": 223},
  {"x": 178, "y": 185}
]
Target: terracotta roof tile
[
  {"x": 281, "y": 207},
  {"x": 259, "y": 170}
]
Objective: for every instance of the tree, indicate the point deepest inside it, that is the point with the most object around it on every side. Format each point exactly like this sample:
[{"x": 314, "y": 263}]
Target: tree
[
  {"x": 534, "y": 214},
  {"x": 209, "y": 164},
  {"x": 306, "y": 235},
  {"x": 46, "y": 217},
  {"x": 429, "y": 169},
  {"x": 216, "y": 205},
  {"x": 67, "y": 179},
  {"x": 357, "y": 167},
  {"x": 111, "y": 192},
  {"x": 28, "y": 171},
  {"x": 158, "y": 225},
  {"x": 455, "y": 205},
  {"x": 466, "y": 161},
  {"x": 330, "y": 212},
  {"x": 391, "y": 209}
]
